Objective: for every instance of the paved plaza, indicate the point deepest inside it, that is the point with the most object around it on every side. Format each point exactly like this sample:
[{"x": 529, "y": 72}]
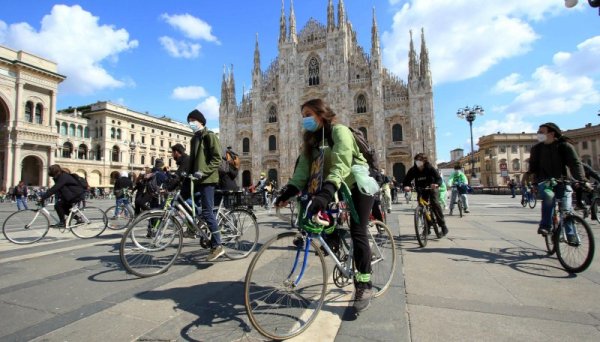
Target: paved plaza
[{"x": 489, "y": 280}]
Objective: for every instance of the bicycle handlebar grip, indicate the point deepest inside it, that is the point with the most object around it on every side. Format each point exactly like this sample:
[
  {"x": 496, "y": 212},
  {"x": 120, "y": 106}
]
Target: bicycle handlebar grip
[{"x": 318, "y": 218}]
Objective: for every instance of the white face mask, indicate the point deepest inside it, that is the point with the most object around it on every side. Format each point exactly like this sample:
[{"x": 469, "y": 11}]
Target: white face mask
[
  {"x": 419, "y": 163},
  {"x": 541, "y": 137}
]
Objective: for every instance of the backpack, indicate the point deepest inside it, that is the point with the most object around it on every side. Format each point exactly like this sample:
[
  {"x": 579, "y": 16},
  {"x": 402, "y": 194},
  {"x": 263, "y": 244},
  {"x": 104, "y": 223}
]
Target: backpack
[
  {"x": 233, "y": 159},
  {"x": 80, "y": 180},
  {"x": 366, "y": 149}
]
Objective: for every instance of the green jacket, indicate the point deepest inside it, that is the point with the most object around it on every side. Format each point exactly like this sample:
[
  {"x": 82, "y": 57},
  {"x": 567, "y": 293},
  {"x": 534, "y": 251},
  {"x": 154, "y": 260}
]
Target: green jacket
[
  {"x": 338, "y": 160},
  {"x": 457, "y": 177},
  {"x": 205, "y": 156}
]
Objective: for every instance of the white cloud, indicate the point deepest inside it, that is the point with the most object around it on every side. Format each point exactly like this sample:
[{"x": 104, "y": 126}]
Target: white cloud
[
  {"x": 180, "y": 48},
  {"x": 188, "y": 93},
  {"x": 210, "y": 108},
  {"x": 464, "y": 37},
  {"x": 561, "y": 88},
  {"x": 191, "y": 27},
  {"x": 72, "y": 37},
  {"x": 510, "y": 124}
]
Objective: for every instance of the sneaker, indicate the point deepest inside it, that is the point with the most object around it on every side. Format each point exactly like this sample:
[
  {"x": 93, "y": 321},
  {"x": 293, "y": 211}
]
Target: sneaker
[
  {"x": 543, "y": 231},
  {"x": 467, "y": 211},
  {"x": 215, "y": 253},
  {"x": 58, "y": 225},
  {"x": 572, "y": 240},
  {"x": 362, "y": 298}
]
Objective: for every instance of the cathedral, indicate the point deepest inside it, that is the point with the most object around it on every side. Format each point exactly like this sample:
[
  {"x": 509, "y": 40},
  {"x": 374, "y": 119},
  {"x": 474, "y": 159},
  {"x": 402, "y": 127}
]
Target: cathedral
[{"x": 325, "y": 61}]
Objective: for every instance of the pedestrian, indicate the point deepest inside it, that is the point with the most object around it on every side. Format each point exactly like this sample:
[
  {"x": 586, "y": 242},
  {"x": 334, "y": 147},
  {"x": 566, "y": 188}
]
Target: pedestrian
[
  {"x": 205, "y": 158},
  {"x": 228, "y": 173},
  {"x": 512, "y": 185},
  {"x": 443, "y": 192},
  {"x": 68, "y": 192},
  {"x": 260, "y": 188},
  {"x": 20, "y": 193}
]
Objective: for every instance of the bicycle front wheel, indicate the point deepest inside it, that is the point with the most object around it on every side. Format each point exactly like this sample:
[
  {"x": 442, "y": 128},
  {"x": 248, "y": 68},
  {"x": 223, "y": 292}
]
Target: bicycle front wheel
[
  {"x": 421, "y": 226},
  {"x": 532, "y": 201},
  {"x": 151, "y": 244},
  {"x": 277, "y": 306},
  {"x": 120, "y": 221},
  {"x": 25, "y": 226},
  {"x": 383, "y": 256},
  {"x": 239, "y": 233},
  {"x": 88, "y": 223},
  {"x": 594, "y": 209},
  {"x": 575, "y": 252}
]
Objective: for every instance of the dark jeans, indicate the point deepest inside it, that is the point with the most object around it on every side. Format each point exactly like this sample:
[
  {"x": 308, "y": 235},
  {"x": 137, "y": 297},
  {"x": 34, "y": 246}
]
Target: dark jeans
[
  {"x": 63, "y": 207},
  {"x": 358, "y": 231},
  {"x": 377, "y": 209},
  {"x": 207, "y": 197},
  {"x": 434, "y": 203}
]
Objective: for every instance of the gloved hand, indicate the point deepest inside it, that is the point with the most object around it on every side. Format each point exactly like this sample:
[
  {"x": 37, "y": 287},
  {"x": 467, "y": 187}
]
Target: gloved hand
[
  {"x": 288, "y": 193},
  {"x": 321, "y": 199}
]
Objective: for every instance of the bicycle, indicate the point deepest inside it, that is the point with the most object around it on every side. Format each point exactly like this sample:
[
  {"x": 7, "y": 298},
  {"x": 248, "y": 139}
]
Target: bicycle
[
  {"x": 153, "y": 241},
  {"x": 124, "y": 217},
  {"x": 459, "y": 201},
  {"x": 425, "y": 219},
  {"x": 592, "y": 208},
  {"x": 569, "y": 248},
  {"x": 29, "y": 226},
  {"x": 286, "y": 281}
]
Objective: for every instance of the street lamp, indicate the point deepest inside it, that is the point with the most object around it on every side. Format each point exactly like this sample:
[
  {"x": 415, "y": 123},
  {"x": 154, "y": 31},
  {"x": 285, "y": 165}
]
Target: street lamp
[
  {"x": 470, "y": 114},
  {"x": 132, "y": 146}
]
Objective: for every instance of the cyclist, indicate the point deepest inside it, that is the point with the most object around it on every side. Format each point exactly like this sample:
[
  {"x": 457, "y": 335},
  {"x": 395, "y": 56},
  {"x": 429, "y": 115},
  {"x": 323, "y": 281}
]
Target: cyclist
[
  {"x": 579, "y": 192},
  {"x": 386, "y": 195},
  {"x": 425, "y": 175},
  {"x": 340, "y": 153},
  {"x": 261, "y": 188},
  {"x": 122, "y": 185},
  {"x": 459, "y": 179},
  {"x": 68, "y": 192},
  {"x": 550, "y": 158},
  {"x": 526, "y": 191}
]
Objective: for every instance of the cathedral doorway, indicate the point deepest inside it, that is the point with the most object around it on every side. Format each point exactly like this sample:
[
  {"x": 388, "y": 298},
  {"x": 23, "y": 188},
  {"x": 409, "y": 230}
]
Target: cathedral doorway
[
  {"x": 31, "y": 171},
  {"x": 272, "y": 175},
  {"x": 399, "y": 171},
  {"x": 246, "y": 179}
]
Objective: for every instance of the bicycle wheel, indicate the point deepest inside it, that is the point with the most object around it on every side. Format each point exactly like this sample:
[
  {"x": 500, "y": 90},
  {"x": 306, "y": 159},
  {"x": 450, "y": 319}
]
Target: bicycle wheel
[
  {"x": 88, "y": 223},
  {"x": 576, "y": 256},
  {"x": 421, "y": 226},
  {"x": 151, "y": 244},
  {"x": 119, "y": 222},
  {"x": 460, "y": 207},
  {"x": 524, "y": 200},
  {"x": 25, "y": 226},
  {"x": 383, "y": 256},
  {"x": 532, "y": 200},
  {"x": 276, "y": 307},
  {"x": 438, "y": 231},
  {"x": 594, "y": 209},
  {"x": 239, "y": 233}
]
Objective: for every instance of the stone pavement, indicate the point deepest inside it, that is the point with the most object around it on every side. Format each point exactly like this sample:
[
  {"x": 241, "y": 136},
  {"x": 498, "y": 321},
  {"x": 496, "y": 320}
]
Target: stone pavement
[{"x": 489, "y": 280}]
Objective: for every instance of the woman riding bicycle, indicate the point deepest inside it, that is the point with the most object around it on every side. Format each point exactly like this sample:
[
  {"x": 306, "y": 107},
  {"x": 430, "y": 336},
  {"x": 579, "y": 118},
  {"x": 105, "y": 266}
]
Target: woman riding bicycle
[
  {"x": 340, "y": 153},
  {"x": 67, "y": 189},
  {"x": 425, "y": 175}
]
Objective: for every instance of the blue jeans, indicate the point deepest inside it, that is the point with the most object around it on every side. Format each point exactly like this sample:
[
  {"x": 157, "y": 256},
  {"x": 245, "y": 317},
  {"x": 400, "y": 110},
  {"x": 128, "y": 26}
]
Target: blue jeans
[
  {"x": 207, "y": 198},
  {"x": 453, "y": 196},
  {"x": 123, "y": 201},
  {"x": 549, "y": 203},
  {"x": 21, "y": 202}
]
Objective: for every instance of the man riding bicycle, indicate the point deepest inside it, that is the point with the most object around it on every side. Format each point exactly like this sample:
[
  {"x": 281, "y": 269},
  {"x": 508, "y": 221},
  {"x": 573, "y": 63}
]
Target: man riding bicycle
[{"x": 459, "y": 179}]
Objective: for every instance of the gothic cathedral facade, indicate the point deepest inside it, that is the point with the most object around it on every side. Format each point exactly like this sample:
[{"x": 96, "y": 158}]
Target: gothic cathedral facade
[{"x": 325, "y": 61}]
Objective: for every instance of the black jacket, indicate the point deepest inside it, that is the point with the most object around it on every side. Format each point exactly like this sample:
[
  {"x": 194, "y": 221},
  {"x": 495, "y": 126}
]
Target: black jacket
[
  {"x": 66, "y": 187},
  {"x": 590, "y": 173},
  {"x": 552, "y": 160},
  {"x": 423, "y": 178},
  {"x": 227, "y": 176},
  {"x": 122, "y": 183}
]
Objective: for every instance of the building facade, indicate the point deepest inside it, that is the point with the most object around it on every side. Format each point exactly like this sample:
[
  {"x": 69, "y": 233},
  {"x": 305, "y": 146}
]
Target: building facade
[
  {"x": 325, "y": 61},
  {"x": 587, "y": 144},
  {"x": 504, "y": 156}
]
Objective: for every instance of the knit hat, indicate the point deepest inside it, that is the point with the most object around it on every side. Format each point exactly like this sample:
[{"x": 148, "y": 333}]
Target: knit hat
[
  {"x": 196, "y": 114},
  {"x": 554, "y": 128}
]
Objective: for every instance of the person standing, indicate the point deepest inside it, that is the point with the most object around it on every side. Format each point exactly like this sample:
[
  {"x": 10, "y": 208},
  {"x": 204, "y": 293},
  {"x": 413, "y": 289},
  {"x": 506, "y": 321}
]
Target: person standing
[
  {"x": 512, "y": 184},
  {"x": 205, "y": 158},
  {"x": 228, "y": 173},
  {"x": 459, "y": 179},
  {"x": 20, "y": 193}
]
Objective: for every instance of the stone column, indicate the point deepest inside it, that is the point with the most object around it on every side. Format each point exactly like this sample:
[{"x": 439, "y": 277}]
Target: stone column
[
  {"x": 52, "y": 110},
  {"x": 18, "y": 102},
  {"x": 17, "y": 163}
]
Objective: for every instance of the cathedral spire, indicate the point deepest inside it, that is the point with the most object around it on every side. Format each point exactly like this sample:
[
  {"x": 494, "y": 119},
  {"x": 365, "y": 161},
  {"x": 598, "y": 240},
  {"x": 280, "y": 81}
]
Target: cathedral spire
[
  {"x": 341, "y": 14},
  {"x": 424, "y": 57},
  {"x": 330, "y": 18},
  {"x": 282, "y": 26},
  {"x": 224, "y": 85},
  {"x": 256, "y": 74},
  {"x": 374, "y": 36},
  {"x": 231, "y": 85},
  {"x": 293, "y": 37},
  {"x": 413, "y": 72}
]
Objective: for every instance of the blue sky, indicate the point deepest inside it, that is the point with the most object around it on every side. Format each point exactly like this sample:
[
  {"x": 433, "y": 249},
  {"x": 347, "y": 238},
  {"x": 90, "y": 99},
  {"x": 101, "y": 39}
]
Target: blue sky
[{"x": 524, "y": 62}]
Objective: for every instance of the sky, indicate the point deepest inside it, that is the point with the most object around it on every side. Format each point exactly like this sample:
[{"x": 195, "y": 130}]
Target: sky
[{"x": 524, "y": 62}]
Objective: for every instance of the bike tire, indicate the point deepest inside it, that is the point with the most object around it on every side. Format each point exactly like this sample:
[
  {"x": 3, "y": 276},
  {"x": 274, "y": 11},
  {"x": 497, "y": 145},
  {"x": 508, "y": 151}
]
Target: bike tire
[
  {"x": 594, "y": 209},
  {"x": 147, "y": 255},
  {"x": 24, "y": 227},
  {"x": 120, "y": 222},
  {"x": 460, "y": 208},
  {"x": 276, "y": 307},
  {"x": 532, "y": 201},
  {"x": 524, "y": 200},
  {"x": 239, "y": 233},
  {"x": 421, "y": 226},
  {"x": 575, "y": 258},
  {"x": 383, "y": 256},
  {"x": 95, "y": 222},
  {"x": 438, "y": 231}
]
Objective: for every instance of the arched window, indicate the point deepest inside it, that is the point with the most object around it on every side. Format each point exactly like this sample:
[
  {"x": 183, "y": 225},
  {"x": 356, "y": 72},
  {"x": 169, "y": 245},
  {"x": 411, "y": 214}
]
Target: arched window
[
  {"x": 272, "y": 143},
  {"x": 29, "y": 111},
  {"x": 63, "y": 128},
  {"x": 115, "y": 154},
  {"x": 397, "y": 132},
  {"x": 364, "y": 132},
  {"x": 272, "y": 114},
  {"x": 79, "y": 131},
  {"x": 67, "y": 150},
  {"x": 86, "y": 132},
  {"x": 118, "y": 133},
  {"x": 57, "y": 126},
  {"x": 143, "y": 161},
  {"x": 39, "y": 110},
  {"x": 361, "y": 104},
  {"x": 516, "y": 165},
  {"x": 313, "y": 72},
  {"x": 245, "y": 146},
  {"x": 112, "y": 133},
  {"x": 526, "y": 164},
  {"x": 98, "y": 152},
  {"x": 82, "y": 152},
  {"x": 72, "y": 130}
]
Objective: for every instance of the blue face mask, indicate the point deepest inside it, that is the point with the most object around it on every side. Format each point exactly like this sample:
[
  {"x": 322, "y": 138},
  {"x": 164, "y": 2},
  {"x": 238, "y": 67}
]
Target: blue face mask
[
  {"x": 310, "y": 124},
  {"x": 194, "y": 126}
]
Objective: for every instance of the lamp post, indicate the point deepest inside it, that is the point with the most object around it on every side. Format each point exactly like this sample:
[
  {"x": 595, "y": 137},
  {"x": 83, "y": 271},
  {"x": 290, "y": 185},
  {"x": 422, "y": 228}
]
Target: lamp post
[
  {"x": 132, "y": 146},
  {"x": 470, "y": 114}
]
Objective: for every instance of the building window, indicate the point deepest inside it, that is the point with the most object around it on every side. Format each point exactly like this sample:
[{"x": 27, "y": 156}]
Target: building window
[
  {"x": 63, "y": 128},
  {"x": 313, "y": 72},
  {"x": 118, "y": 134},
  {"x": 152, "y": 142},
  {"x": 115, "y": 154},
  {"x": 86, "y": 132},
  {"x": 29, "y": 111},
  {"x": 246, "y": 146},
  {"x": 162, "y": 143},
  {"x": 513, "y": 149},
  {"x": 143, "y": 140},
  {"x": 143, "y": 160},
  {"x": 502, "y": 149},
  {"x": 79, "y": 131},
  {"x": 39, "y": 109},
  {"x": 67, "y": 150},
  {"x": 397, "y": 132},
  {"x": 72, "y": 130},
  {"x": 361, "y": 104},
  {"x": 272, "y": 114},
  {"x": 112, "y": 133},
  {"x": 57, "y": 126},
  {"x": 82, "y": 152},
  {"x": 527, "y": 148},
  {"x": 132, "y": 137},
  {"x": 98, "y": 152},
  {"x": 584, "y": 145},
  {"x": 516, "y": 165},
  {"x": 272, "y": 143}
]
